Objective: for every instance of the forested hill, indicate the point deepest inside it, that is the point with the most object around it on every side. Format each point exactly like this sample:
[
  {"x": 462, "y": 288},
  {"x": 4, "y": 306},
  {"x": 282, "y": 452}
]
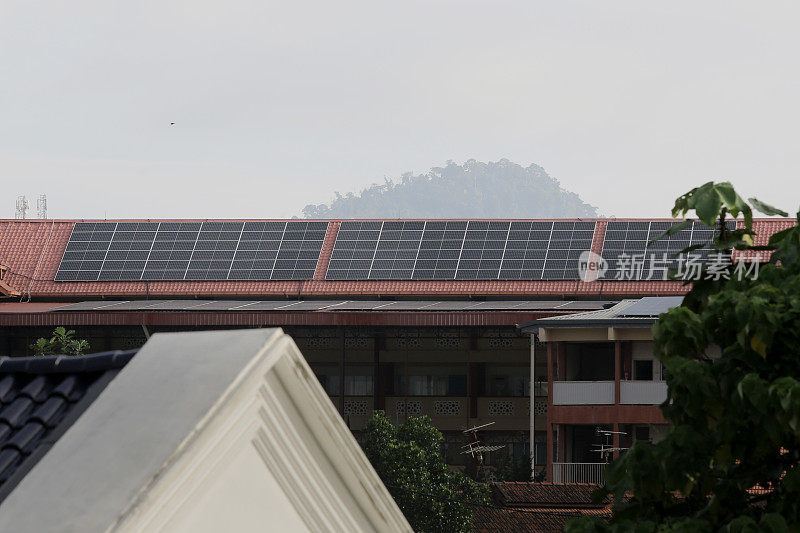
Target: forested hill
[{"x": 473, "y": 190}]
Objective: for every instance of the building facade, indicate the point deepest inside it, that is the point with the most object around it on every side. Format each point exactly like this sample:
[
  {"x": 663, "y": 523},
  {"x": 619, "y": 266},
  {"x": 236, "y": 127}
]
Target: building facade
[
  {"x": 606, "y": 386},
  {"x": 412, "y": 317}
]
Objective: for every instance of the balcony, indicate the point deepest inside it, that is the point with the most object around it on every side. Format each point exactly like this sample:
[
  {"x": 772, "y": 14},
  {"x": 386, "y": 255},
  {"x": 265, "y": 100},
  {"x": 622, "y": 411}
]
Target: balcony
[
  {"x": 507, "y": 412},
  {"x": 583, "y": 393},
  {"x": 447, "y": 412},
  {"x": 579, "y": 473},
  {"x": 643, "y": 392},
  {"x": 357, "y": 410}
]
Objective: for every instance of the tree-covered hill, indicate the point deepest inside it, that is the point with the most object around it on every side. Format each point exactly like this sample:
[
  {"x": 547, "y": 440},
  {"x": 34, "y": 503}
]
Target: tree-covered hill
[{"x": 473, "y": 190}]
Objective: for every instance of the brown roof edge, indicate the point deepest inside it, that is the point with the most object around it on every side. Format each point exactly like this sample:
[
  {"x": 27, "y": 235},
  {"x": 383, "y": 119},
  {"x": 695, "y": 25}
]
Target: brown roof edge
[{"x": 6, "y": 291}]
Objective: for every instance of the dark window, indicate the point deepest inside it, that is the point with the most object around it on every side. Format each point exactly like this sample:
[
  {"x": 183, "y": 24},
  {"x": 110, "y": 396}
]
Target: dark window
[
  {"x": 641, "y": 433},
  {"x": 643, "y": 369},
  {"x": 457, "y": 385}
]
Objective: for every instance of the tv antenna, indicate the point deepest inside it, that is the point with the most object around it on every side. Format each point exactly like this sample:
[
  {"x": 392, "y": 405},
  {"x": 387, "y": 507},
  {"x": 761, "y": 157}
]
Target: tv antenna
[
  {"x": 41, "y": 206},
  {"x": 22, "y": 208},
  {"x": 607, "y": 449},
  {"x": 474, "y": 447}
]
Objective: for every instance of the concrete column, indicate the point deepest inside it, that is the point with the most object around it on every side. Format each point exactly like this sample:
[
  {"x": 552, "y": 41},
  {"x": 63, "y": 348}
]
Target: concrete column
[
  {"x": 561, "y": 367},
  {"x": 532, "y": 401},
  {"x": 549, "y": 465},
  {"x": 341, "y": 374},
  {"x": 617, "y": 380},
  {"x": 377, "y": 384},
  {"x": 617, "y": 369}
]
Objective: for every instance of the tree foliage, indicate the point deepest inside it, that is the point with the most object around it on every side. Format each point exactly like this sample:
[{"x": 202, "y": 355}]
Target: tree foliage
[
  {"x": 512, "y": 468},
  {"x": 408, "y": 459},
  {"x": 62, "y": 342},
  {"x": 731, "y": 459},
  {"x": 500, "y": 189}
]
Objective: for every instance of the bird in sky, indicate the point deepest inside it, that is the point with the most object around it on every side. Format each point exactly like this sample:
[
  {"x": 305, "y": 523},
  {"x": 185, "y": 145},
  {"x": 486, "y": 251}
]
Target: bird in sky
[{"x": 171, "y": 123}]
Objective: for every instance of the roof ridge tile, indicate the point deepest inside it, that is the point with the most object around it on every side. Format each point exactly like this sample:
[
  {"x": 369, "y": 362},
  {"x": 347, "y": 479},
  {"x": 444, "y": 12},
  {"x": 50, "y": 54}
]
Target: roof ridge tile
[{"x": 111, "y": 360}]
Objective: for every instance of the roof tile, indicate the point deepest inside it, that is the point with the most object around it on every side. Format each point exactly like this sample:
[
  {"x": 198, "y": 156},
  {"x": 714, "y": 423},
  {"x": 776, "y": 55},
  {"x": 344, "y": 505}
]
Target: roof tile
[
  {"x": 68, "y": 388},
  {"x": 14, "y": 414},
  {"x": 41, "y": 397},
  {"x": 48, "y": 411},
  {"x": 9, "y": 461},
  {"x": 24, "y": 439},
  {"x": 36, "y": 389},
  {"x": 7, "y": 389}
]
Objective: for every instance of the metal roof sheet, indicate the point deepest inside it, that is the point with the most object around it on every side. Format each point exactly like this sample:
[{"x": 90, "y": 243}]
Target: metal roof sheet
[{"x": 327, "y": 305}]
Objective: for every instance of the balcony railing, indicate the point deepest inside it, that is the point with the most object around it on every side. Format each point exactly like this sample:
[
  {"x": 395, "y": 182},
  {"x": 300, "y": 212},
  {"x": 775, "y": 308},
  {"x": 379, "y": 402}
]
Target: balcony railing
[
  {"x": 579, "y": 473},
  {"x": 642, "y": 392},
  {"x": 583, "y": 393}
]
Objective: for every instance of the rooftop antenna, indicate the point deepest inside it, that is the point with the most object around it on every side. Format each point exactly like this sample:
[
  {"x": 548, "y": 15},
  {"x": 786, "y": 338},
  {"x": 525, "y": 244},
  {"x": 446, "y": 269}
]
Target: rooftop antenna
[
  {"x": 22, "y": 208},
  {"x": 475, "y": 448},
  {"x": 607, "y": 449},
  {"x": 41, "y": 206}
]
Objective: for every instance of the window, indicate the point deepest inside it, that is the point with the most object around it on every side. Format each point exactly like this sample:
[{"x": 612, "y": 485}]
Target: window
[
  {"x": 520, "y": 385},
  {"x": 499, "y": 386},
  {"x": 439, "y": 385},
  {"x": 353, "y": 385},
  {"x": 358, "y": 385},
  {"x": 541, "y": 452},
  {"x": 643, "y": 369},
  {"x": 457, "y": 385},
  {"x": 641, "y": 433},
  {"x": 510, "y": 386},
  {"x": 427, "y": 385}
]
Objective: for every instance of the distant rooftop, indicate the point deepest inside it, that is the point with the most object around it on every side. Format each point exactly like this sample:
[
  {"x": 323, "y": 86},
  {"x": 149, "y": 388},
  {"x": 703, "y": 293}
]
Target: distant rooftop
[
  {"x": 214, "y": 259},
  {"x": 642, "y": 312}
]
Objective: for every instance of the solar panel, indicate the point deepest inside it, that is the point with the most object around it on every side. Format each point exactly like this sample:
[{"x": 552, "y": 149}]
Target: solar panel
[
  {"x": 354, "y": 249},
  {"x": 209, "y": 250},
  {"x": 459, "y": 249},
  {"x": 628, "y": 256}
]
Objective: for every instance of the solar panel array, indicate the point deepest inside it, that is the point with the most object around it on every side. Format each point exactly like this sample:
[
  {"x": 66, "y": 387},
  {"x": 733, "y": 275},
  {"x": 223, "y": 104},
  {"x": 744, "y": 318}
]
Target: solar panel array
[
  {"x": 459, "y": 249},
  {"x": 210, "y": 250},
  {"x": 628, "y": 256}
]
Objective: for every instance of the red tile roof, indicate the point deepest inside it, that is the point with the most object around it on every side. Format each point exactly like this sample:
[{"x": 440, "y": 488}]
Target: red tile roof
[
  {"x": 492, "y": 520},
  {"x": 32, "y": 250},
  {"x": 536, "y": 507},
  {"x": 545, "y": 495}
]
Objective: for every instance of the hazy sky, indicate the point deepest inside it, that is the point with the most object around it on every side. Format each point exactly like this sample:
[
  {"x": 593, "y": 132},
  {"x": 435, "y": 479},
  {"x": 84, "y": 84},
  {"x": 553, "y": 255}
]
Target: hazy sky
[{"x": 277, "y": 105}]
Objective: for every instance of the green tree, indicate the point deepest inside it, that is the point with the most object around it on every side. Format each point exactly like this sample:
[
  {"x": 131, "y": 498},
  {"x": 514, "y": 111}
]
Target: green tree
[
  {"x": 512, "y": 468},
  {"x": 408, "y": 459},
  {"x": 62, "y": 342},
  {"x": 731, "y": 459}
]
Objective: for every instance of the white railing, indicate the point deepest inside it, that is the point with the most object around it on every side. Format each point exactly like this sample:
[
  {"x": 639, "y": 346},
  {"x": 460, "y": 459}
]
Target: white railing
[
  {"x": 579, "y": 473},
  {"x": 642, "y": 392},
  {"x": 583, "y": 393}
]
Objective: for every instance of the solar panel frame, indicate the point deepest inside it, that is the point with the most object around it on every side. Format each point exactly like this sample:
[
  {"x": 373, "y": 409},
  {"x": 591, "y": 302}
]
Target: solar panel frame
[
  {"x": 631, "y": 238},
  {"x": 463, "y": 249},
  {"x": 207, "y": 250}
]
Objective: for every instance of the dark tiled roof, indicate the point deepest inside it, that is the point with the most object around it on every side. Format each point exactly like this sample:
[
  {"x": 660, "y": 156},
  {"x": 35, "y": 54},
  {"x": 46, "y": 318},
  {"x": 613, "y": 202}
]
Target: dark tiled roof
[
  {"x": 523, "y": 494},
  {"x": 526, "y": 506},
  {"x": 40, "y": 398},
  {"x": 488, "y": 519}
]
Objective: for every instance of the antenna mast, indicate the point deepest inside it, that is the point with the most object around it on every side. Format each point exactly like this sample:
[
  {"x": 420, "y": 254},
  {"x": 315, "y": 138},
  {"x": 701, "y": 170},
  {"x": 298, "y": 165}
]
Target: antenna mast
[
  {"x": 41, "y": 206},
  {"x": 22, "y": 208}
]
